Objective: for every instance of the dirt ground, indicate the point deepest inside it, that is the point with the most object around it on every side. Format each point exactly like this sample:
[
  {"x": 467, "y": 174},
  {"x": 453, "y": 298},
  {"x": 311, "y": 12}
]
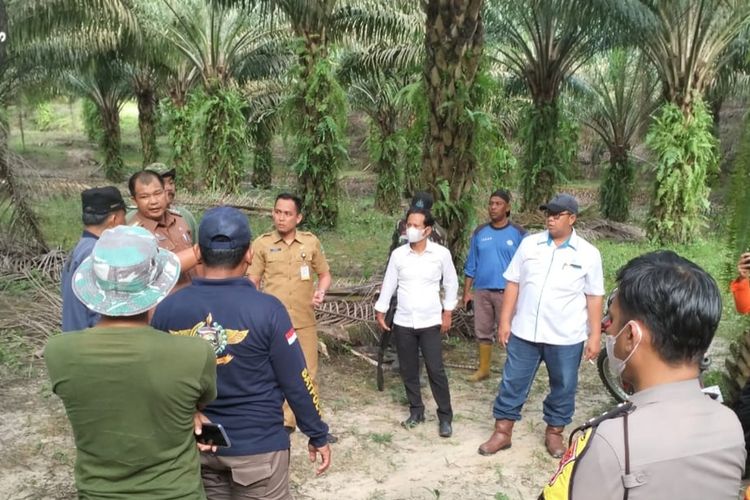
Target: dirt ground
[{"x": 374, "y": 459}]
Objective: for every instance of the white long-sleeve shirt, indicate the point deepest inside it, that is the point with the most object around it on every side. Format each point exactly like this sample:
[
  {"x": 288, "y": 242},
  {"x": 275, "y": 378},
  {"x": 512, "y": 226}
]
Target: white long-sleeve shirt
[{"x": 417, "y": 278}]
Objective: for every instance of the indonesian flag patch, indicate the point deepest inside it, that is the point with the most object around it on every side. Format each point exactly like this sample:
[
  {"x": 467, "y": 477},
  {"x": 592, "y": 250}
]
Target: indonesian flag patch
[{"x": 291, "y": 336}]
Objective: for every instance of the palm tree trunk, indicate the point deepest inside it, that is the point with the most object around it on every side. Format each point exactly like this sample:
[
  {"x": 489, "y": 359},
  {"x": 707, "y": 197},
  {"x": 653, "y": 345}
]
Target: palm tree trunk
[
  {"x": 262, "y": 158},
  {"x": 617, "y": 184},
  {"x": 388, "y": 190},
  {"x": 114, "y": 168},
  {"x": 454, "y": 42},
  {"x": 321, "y": 150},
  {"x": 146, "y": 97}
]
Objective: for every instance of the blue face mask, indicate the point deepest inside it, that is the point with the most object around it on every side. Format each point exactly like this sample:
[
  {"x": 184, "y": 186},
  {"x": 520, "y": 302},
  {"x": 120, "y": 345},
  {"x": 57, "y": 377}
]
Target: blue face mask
[{"x": 617, "y": 365}]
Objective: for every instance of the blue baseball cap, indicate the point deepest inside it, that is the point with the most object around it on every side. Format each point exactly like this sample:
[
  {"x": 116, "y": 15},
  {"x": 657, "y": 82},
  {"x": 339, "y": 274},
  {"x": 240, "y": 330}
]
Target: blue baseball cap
[
  {"x": 224, "y": 228},
  {"x": 560, "y": 203}
]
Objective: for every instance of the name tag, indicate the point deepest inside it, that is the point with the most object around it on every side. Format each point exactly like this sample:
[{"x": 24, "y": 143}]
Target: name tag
[{"x": 304, "y": 273}]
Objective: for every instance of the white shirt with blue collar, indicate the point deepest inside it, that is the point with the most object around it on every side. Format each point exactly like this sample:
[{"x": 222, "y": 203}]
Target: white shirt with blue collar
[
  {"x": 417, "y": 277},
  {"x": 553, "y": 282}
]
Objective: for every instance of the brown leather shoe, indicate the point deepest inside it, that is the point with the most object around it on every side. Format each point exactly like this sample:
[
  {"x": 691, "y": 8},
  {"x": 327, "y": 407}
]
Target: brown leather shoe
[
  {"x": 553, "y": 440},
  {"x": 499, "y": 440}
]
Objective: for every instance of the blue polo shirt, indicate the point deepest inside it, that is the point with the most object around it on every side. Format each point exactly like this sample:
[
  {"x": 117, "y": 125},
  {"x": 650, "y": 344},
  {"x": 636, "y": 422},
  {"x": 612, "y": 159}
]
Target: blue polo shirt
[
  {"x": 75, "y": 315},
  {"x": 259, "y": 362},
  {"x": 490, "y": 251}
]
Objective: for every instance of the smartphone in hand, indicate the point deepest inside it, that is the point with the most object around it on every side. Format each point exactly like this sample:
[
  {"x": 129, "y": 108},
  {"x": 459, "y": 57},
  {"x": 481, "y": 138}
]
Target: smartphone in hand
[{"x": 213, "y": 434}]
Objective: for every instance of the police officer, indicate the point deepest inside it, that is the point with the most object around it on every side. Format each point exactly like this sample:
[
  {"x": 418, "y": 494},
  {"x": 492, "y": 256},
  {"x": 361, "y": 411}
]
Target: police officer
[
  {"x": 286, "y": 262},
  {"x": 671, "y": 440},
  {"x": 172, "y": 232}
]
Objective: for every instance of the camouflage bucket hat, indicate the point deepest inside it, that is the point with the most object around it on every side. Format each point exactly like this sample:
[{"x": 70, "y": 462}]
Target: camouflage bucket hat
[{"x": 126, "y": 273}]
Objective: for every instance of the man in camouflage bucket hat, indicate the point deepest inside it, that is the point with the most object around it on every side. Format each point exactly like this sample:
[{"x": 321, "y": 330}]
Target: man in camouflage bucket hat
[{"x": 131, "y": 393}]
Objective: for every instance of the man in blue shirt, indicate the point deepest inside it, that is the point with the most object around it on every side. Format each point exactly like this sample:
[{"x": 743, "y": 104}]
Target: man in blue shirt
[
  {"x": 259, "y": 364},
  {"x": 102, "y": 208},
  {"x": 491, "y": 249}
]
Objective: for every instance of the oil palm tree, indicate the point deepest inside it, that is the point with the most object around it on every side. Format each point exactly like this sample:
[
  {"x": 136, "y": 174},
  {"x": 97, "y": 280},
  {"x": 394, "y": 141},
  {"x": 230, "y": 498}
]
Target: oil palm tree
[
  {"x": 624, "y": 93},
  {"x": 688, "y": 42},
  {"x": 543, "y": 43}
]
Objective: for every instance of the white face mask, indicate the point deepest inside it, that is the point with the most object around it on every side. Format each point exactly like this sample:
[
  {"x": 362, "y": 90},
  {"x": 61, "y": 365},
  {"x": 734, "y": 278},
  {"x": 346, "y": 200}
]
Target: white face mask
[
  {"x": 414, "y": 235},
  {"x": 617, "y": 365}
]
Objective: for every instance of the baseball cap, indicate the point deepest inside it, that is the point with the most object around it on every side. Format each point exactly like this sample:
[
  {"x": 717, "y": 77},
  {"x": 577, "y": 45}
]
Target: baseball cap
[
  {"x": 102, "y": 200},
  {"x": 560, "y": 203},
  {"x": 422, "y": 199},
  {"x": 223, "y": 228},
  {"x": 126, "y": 274}
]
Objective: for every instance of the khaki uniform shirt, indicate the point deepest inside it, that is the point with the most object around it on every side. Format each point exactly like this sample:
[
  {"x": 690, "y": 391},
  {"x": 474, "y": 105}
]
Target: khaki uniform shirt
[
  {"x": 172, "y": 234},
  {"x": 287, "y": 272},
  {"x": 683, "y": 445}
]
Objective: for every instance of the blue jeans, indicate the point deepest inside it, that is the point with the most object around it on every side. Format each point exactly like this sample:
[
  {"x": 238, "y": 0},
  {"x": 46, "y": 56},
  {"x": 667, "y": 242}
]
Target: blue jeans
[{"x": 523, "y": 360}]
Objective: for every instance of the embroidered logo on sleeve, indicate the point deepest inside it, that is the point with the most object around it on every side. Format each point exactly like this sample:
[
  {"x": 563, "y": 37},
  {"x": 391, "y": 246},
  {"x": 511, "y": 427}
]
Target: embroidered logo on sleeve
[{"x": 291, "y": 336}]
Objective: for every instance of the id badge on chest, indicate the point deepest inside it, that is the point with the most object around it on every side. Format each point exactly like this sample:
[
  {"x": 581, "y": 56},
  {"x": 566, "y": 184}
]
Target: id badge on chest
[{"x": 304, "y": 272}]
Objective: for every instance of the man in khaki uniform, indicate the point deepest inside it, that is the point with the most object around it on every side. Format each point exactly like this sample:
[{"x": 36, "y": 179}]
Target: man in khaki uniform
[
  {"x": 172, "y": 232},
  {"x": 284, "y": 262},
  {"x": 670, "y": 441}
]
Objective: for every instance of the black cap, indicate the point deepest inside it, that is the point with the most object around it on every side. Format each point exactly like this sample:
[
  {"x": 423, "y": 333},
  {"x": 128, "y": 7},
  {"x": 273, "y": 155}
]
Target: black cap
[
  {"x": 102, "y": 201},
  {"x": 501, "y": 193},
  {"x": 422, "y": 199},
  {"x": 224, "y": 228},
  {"x": 560, "y": 203}
]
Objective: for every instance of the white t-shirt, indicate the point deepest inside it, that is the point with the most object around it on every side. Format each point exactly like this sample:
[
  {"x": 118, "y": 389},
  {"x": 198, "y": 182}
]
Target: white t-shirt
[{"x": 553, "y": 283}]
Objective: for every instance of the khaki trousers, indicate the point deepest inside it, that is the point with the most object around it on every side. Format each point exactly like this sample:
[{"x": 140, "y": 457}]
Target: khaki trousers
[
  {"x": 308, "y": 341},
  {"x": 487, "y": 305},
  {"x": 251, "y": 477}
]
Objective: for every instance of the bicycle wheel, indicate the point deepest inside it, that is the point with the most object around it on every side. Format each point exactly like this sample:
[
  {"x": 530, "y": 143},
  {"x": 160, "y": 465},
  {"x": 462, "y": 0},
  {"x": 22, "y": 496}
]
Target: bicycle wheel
[{"x": 611, "y": 381}]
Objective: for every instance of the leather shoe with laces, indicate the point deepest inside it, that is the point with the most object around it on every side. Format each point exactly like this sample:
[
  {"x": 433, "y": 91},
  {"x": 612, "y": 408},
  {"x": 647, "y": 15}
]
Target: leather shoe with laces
[
  {"x": 412, "y": 421},
  {"x": 445, "y": 429}
]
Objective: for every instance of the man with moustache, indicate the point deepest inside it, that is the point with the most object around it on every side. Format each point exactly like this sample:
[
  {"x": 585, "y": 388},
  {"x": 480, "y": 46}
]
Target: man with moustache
[{"x": 553, "y": 295}]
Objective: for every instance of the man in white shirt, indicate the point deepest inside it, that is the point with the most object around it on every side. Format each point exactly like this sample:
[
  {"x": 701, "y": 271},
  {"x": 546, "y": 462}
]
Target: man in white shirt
[
  {"x": 555, "y": 286},
  {"x": 417, "y": 270}
]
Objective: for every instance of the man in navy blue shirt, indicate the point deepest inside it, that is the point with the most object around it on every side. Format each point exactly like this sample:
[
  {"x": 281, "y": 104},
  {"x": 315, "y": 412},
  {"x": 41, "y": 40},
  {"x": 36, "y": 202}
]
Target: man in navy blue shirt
[
  {"x": 491, "y": 249},
  {"x": 259, "y": 364},
  {"x": 101, "y": 208}
]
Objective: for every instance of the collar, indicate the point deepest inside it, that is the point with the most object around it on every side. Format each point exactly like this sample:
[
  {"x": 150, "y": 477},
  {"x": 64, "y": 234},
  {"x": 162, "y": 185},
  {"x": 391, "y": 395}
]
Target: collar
[
  {"x": 507, "y": 223},
  {"x": 277, "y": 237},
  {"x": 151, "y": 224},
  {"x": 430, "y": 247},
  {"x": 674, "y": 391},
  {"x": 571, "y": 242},
  {"x": 89, "y": 234},
  {"x": 234, "y": 281}
]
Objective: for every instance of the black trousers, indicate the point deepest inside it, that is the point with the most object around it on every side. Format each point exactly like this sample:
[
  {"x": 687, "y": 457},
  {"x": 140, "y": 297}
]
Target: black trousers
[{"x": 409, "y": 341}]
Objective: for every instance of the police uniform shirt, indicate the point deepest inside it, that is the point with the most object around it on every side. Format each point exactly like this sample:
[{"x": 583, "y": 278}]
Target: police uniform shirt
[
  {"x": 682, "y": 444},
  {"x": 287, "y": 271}
]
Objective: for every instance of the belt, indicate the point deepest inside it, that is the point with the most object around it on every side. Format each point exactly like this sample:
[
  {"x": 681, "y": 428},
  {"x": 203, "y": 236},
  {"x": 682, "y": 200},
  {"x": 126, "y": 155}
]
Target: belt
[{"x": 499, "y": 290}]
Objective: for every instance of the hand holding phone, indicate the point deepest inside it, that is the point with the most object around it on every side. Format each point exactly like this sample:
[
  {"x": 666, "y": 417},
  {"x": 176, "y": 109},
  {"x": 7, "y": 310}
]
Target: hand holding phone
[{"x": 213, "y": 434}]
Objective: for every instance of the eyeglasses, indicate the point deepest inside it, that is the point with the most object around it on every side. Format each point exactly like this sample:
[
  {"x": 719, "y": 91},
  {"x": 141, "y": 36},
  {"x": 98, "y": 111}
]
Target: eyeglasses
[{"x": 555, "y": 215}]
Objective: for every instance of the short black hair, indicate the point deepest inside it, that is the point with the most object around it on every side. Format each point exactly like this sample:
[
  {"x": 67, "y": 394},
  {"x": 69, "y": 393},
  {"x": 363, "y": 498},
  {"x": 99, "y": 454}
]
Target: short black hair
[
  {"x": 429, "y": 220},
  {"x": 677, "y": 300},
  {"x": 92, "y": 219},
  {"x": 144, "y": 176},
  {"x": 289, "y": 196},
  {"x": 224, "y": 258}
]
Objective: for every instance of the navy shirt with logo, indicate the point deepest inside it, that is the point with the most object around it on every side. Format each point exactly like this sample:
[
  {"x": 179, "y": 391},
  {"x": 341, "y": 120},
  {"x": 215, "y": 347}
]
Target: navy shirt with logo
[
  {"x": 490, "y": 251},
  {"x": 259, "y": 362}
]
